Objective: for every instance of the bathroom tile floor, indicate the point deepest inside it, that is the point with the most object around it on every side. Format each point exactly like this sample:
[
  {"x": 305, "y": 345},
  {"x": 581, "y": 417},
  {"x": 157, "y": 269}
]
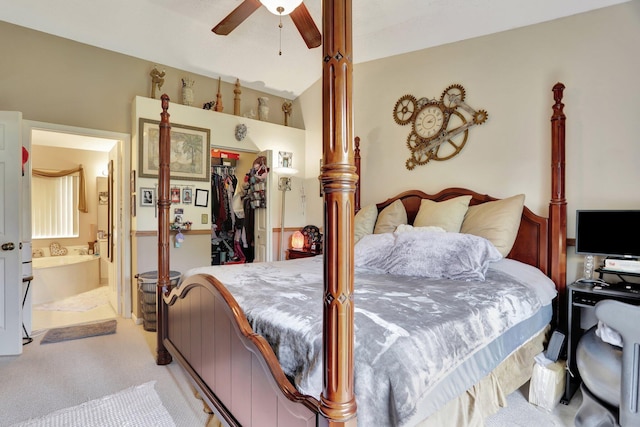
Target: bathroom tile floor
[{"x": 71, "y": 311}]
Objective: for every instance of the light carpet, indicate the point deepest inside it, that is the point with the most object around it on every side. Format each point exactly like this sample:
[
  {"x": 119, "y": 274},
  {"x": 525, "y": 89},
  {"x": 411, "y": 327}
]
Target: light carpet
[
  {"x": 81, "y": 302},
  {"x": 138, "y": 406},
  {"x": 520, "y": 413}
]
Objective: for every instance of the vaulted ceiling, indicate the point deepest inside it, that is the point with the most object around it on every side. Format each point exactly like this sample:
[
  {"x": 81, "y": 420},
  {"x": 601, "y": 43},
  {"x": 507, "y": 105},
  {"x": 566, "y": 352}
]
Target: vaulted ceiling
[{"x": 177, "y": 33}]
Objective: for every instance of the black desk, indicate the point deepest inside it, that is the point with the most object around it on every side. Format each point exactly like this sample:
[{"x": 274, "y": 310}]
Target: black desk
[{"x": 580, "y": 297}]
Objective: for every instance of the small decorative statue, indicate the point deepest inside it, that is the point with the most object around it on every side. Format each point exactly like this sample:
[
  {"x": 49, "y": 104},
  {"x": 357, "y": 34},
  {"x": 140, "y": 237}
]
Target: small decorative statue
[
  {"x": 157, "y": 80},
  {"x": 263, "y": 108},
  {"x": 286, "y": 108},
  {"x": 209, "y": 105},
  {"x": 187, "y": 91}
]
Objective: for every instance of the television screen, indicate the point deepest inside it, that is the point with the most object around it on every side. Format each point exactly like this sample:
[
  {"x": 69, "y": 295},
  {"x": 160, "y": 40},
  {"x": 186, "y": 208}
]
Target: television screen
[{"x": 614, "y": 233}]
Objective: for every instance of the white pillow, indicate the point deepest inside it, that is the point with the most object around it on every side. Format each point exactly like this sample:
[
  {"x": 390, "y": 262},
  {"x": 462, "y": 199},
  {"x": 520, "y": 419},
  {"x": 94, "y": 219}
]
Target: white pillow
[
  {"x": 390, "y": 218},
  {"x": 447, "y": 214},
  {"x": 364, "y": 222},
  {"x": 496, "y": 221}
]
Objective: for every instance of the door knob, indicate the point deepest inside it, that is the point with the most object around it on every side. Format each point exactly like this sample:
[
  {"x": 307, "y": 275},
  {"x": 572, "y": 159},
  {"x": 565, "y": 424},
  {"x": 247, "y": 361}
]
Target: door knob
[{"x": 8, "y": 246}]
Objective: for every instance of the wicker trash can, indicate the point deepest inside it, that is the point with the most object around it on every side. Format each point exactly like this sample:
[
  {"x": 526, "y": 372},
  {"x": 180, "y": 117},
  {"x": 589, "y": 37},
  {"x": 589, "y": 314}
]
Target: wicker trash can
[{"x": 147, "y": 284}]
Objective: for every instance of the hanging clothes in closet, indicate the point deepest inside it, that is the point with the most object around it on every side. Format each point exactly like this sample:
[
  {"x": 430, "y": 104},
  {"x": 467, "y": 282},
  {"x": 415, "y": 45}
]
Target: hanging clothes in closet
[{"x": 223, "y": 187}]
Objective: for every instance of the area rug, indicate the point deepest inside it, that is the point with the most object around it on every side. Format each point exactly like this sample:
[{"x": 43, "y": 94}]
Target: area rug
[
  {"x": 84, "y": 301},
  {"x": 138, "y": 406},
  {"x": 80, "y": 331}
]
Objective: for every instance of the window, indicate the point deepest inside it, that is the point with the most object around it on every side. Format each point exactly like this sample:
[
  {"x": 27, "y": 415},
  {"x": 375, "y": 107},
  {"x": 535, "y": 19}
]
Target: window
[{"x": 54, "y": 207}]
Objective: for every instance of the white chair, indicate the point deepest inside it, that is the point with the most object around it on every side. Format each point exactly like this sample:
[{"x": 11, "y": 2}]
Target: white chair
[{"x": 610, "y": 374}]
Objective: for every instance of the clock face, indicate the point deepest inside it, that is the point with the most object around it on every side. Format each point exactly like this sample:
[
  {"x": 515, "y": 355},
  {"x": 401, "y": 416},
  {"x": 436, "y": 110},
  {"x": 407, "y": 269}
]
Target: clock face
[{"x": 429, "y": 121}]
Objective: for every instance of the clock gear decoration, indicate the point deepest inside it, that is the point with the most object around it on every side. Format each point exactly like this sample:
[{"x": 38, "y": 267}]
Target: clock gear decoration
[{"x": 439, "y": 128}]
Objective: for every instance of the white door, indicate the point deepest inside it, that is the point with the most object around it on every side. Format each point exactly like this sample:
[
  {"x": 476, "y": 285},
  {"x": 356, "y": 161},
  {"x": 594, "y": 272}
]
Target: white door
[
  {"x": 262, "y": 228},
  {"x": 10, "y": 262}
]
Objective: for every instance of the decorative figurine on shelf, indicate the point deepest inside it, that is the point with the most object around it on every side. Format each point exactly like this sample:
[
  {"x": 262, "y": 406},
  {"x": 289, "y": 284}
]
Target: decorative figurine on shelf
[
  {"x": 286, "y": 108},
  {"x": 263, "y": 108},
  {"x": 209, "y": 105},
  {"x": 218, "y": 106},
  {"x": 157, "y": 80},
  {"x": 187, "y": 91},
  {"x": 236, "y": 98}
]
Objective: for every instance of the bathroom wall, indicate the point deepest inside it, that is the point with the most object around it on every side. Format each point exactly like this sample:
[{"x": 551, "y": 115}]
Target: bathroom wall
[{"x": 93, "y": 162}]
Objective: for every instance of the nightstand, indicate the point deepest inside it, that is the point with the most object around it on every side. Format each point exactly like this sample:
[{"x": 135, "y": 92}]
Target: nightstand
[
  {"x": 581, "y": 299},
  {"x": 301, "y": 253}
]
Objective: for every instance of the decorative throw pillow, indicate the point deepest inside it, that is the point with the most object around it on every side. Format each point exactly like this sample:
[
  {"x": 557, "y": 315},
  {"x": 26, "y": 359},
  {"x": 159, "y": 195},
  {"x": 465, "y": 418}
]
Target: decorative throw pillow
[
  {"x": 447, "y": 214},
  {"x": 391, "y": 217},
  {"x": 496, "y": 221},
  {"x": 57, "y": 250},
  {"x": 364, "y": 222}
]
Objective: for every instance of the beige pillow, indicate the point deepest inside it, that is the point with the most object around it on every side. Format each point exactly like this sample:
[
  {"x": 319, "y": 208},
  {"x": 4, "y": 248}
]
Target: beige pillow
[
  {"x": 496, "y": 221},
  {"x": 447, "y": 214},
  {"x": 391, "y": 217},
  {"x": 364, "y": 222}
]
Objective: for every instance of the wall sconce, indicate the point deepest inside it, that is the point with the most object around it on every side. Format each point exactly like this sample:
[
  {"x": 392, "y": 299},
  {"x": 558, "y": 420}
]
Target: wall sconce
[{"x": 284, "y": 185}]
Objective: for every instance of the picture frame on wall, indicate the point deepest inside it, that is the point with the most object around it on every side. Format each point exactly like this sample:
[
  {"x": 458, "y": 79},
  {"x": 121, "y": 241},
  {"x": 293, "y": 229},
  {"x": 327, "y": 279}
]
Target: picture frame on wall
[
  {"x": 187, "y": 195},
  {"x": 175, "y": 195},
  {"x": 190, "y": 154},
  {"x": 147, "y": 196},
  {"x": 202, "y": 197}
]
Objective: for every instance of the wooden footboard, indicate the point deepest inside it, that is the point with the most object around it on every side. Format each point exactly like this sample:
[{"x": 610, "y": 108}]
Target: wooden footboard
[{"x": 233, "y": 368}]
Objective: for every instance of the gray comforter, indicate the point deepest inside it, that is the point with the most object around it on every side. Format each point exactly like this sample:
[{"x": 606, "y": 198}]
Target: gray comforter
[{"x": 410, "y": 332}]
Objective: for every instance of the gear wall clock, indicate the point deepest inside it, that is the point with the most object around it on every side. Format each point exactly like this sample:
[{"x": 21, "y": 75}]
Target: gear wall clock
[{"x": 439, "y": 128}]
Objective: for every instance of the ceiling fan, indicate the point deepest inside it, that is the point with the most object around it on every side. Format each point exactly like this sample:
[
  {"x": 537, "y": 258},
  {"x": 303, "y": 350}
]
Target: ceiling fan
[{"x": 299, "y": 15}]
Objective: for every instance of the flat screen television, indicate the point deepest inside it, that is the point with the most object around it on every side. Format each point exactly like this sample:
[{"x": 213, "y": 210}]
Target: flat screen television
[{"x": 612, "y": 233}]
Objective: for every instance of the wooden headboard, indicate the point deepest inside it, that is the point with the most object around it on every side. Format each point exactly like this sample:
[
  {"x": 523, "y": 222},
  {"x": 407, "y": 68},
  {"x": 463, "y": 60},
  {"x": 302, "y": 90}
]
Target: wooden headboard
[{"x": 531, "y": 242}]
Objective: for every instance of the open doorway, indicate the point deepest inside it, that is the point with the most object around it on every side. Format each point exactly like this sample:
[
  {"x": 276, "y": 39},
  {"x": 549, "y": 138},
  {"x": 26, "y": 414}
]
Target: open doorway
[{"x": 96, "y": 150}]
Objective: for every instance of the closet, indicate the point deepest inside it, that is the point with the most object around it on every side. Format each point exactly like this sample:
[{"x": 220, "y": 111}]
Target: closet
[{"x": 231, "y": 221}]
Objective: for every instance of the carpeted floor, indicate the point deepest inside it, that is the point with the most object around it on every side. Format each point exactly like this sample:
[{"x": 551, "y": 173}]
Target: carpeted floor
[
  {"x": 47, "y": 378},
  {"x": 138, "y": 406}
]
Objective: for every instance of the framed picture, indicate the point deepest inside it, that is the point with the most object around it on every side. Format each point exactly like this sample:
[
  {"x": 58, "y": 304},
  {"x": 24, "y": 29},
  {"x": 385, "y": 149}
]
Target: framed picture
[
  {"x": 187, "y": 195},
  {"x": 175, "y": 195},
  {"x": 202, "y": 197},
  {"x": 190, "y": 157},
  {"x": 285, "y": 159},
  {"x": 147, "y": 196},
  {"x": 103, "y": 197}
]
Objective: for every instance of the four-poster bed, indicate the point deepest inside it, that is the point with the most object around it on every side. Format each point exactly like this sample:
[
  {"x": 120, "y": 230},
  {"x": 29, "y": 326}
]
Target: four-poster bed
[
  {"x": 235, "y": 369},
  {"x": 204, "y": 326}
]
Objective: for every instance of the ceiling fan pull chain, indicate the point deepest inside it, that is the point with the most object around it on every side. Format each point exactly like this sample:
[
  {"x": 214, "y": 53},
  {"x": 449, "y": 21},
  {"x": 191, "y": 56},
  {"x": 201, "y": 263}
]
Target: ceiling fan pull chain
[{"x": 280, "y": 9}]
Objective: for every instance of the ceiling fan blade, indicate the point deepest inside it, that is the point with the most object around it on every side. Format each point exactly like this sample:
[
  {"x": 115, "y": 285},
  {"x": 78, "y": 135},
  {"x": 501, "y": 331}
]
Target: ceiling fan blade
[
  {"x": 307, "y": 28},
  {"x": 235, "y": 18}
]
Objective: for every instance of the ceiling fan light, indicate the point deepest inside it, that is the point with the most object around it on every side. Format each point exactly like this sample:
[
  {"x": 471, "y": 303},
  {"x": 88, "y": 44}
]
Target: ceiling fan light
[{"x": 287, "y": 6}]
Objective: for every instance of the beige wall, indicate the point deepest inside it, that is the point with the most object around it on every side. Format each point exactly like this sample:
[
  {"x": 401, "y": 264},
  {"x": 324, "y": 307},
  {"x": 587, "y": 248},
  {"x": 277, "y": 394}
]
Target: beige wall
[
  {"x": 510, "y": 75},
  {"x": 55, "y": 80}
]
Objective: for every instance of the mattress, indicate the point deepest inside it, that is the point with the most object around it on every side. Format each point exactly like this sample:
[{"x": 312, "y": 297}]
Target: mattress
[{"x": 418, "y": 342}]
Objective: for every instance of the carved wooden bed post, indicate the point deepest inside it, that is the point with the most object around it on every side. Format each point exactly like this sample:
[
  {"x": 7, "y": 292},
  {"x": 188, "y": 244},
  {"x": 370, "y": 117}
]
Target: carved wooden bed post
[
  {"x": 162, "y": 355},
  {"x": 558, "y": 202},
  {"x": 337, "y": 403}
]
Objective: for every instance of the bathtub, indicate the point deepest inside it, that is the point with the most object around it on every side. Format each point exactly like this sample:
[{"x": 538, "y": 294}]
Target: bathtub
[{"x": 59, "y": 277}]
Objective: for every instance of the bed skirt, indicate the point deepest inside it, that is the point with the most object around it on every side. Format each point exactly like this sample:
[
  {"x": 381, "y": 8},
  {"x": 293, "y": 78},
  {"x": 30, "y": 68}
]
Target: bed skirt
[{"x": 487, "y": 396}]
